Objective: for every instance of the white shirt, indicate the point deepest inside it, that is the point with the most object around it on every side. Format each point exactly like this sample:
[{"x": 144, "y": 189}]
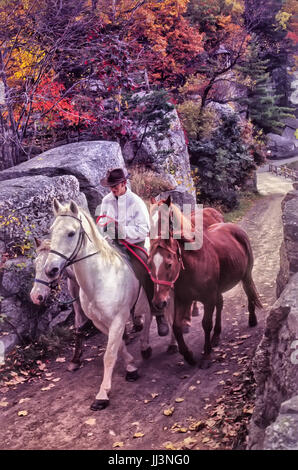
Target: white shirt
[{"x": 130, "y": 211}]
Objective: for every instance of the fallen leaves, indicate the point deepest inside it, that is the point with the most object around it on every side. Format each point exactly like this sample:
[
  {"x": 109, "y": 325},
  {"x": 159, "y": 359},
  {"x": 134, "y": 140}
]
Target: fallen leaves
[
  {"x": 179, "y": 400},
  {"x": 138, "y": 434},
  {"x": 169, "y": 411},
  {"x": 118, "y": 444},
  {"x": 22, "y": 413},
  {"x": 60, "y": 359},
  {"x": 3, "y": 403},
  {"x": 90, "y": 422},
  {"x": 44, "y": 389}
]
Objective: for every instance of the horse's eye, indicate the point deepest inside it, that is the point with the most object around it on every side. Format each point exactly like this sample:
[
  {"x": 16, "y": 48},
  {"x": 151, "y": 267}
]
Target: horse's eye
[
  {"x": 71, "y": 234},
  {"x": 169, "y": 265}
]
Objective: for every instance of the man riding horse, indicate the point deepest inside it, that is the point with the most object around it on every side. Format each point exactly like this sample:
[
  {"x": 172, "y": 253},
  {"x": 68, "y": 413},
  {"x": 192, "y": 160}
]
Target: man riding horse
[{"x": 125, "y": 218}]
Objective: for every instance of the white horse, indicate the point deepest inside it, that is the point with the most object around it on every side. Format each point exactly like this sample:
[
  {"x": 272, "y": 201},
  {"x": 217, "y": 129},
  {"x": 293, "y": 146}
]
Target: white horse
[{"x": 109, "y": 288}]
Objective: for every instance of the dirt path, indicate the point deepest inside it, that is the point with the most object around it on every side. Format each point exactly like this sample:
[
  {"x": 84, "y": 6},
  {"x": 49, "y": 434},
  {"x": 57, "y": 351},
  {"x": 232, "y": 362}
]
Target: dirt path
[{"x": 217, "y": 403}]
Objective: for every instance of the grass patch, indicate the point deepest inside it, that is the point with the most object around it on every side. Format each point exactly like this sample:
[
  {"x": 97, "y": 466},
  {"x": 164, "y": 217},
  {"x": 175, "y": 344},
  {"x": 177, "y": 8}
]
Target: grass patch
[{"x": 246, "y": 201}]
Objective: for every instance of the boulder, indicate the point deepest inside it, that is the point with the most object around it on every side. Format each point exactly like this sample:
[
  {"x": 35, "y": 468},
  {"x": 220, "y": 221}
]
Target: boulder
[
  {"x": 87, "y": 161},
  {"x": 283, "y": 433},
  {"x": 167, "y": 155},
  {"x": 275, "y": 364},
  {"x": 26, "y": 205},
  {"x": 288, "y": 250},
  {"x": 280, "y": 147},
  {"x": 289, "y": 132}
]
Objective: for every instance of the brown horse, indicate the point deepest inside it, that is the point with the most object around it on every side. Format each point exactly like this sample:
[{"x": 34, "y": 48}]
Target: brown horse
[
  {"x": 224, "y": 259},
  {"x": 210, "y": 216}
]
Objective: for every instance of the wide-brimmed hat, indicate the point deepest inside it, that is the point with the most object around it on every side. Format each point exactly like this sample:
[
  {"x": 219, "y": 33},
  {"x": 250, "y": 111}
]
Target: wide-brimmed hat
[{"x": 113, "y": 177}]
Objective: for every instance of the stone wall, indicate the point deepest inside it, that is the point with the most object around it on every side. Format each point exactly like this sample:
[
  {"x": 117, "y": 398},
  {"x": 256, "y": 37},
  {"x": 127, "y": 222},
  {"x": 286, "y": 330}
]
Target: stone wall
[{"x": 274, "y": 422}]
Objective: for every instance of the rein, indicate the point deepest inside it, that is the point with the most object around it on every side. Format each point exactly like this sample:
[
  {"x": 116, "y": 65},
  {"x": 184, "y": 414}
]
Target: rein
[{"x": 129, "y": 246}]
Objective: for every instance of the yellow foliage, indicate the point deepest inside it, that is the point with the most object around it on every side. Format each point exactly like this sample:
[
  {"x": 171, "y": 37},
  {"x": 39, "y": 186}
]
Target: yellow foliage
[{"x": 282, "y": 17}]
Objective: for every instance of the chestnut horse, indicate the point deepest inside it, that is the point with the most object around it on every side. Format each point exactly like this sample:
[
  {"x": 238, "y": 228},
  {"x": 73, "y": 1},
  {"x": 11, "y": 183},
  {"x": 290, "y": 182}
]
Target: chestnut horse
[
  {"x": 224, "y": 259},
  {"x": 210, "y": 216}
]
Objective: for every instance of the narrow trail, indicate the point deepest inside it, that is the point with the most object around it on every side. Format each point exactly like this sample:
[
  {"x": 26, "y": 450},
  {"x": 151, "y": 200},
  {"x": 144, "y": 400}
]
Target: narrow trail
[{"x": 213, "y": 405}]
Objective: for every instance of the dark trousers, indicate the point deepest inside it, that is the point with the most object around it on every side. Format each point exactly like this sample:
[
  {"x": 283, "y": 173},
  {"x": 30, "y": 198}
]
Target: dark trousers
[{"x": 141, "y": 272}]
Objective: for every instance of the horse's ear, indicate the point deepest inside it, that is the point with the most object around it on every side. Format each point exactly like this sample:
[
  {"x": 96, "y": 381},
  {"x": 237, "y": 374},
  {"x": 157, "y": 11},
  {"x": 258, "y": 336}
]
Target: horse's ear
[
  {"x": 153, "y": 200},
  {"x": 168, "y": 201},
  {"x": 74, "y": 208},
  {"x": 56, "y": 206},
  {"x": 37, "y": 242}
]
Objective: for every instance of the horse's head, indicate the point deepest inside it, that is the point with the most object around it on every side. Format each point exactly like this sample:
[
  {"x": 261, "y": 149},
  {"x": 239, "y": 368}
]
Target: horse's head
[
  {"x": 42, "y": 286},
  {"x": 68, "y": 237},
  {"x": 165, "y": 263}
]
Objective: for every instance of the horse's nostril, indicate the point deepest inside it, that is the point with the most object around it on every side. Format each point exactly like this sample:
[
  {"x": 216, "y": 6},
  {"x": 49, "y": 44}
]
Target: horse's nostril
[{"x": 40, "y": 298}]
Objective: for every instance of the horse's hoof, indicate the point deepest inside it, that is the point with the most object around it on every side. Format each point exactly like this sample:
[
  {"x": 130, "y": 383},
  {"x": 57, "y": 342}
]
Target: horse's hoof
[
  {"x": 252, "y": 321},
  {"x": 132, "y": 376},
  {"x": 147, "y": 353},
  {"x": 99, "y": 405},
  {"x": 189, "y": 359},
  {"x": 172, "y": 349},
  {"x": 72, "y": 366},
  {"x": 204, "y": 363}
]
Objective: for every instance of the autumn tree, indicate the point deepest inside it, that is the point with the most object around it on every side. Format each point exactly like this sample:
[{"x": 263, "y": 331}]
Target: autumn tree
[{"x": 36, "y": 41}]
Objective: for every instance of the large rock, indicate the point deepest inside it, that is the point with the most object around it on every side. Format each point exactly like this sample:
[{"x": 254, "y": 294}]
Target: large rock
[
  {"x": 87, "y": 161},
  {"x": 26, "y": 211},
  {"x": 283, "y": 433},
  {"x": 281, "y": 147},
  {"x": 167, "y": 155},
  {"x": 289, "y": 132},
  {"x": 26, "y": 205},
  {"x": 275, "y": 363},
  {"x": 289, "y": 246}
]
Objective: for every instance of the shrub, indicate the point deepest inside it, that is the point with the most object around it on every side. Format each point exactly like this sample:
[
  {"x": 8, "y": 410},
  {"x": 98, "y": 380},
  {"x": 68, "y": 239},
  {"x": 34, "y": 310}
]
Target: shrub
[
  {"x": 146, "y": 183},
  {"x": 224, "y": 163}
]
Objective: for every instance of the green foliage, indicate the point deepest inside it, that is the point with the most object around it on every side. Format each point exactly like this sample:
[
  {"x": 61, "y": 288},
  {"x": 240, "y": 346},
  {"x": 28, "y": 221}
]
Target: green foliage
[
  {"x": 224, "y": 163},
  {"x": 198, "y": 123},
  {"x": 261, "y": 100}
]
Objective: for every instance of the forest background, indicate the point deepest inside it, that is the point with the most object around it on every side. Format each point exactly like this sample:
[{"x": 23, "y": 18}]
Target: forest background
[{"x": 115, "y": 69}]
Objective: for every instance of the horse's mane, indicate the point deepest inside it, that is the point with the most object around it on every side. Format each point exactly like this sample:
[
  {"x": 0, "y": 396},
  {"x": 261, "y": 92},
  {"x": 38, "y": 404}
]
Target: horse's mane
[
  {"x": 184, "y": 224},
  {"x": 107, "y": 251}
]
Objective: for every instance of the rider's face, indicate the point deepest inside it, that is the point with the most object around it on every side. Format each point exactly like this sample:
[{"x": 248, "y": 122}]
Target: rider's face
[{"x": 119, "y": 189}]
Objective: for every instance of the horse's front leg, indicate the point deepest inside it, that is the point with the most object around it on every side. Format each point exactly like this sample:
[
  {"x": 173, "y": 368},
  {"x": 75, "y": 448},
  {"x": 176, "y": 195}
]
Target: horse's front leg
[
  {"x": 181, "y": 310},
  {"x": 115, "y": 341},
  {"x": 80, "y": 321}
]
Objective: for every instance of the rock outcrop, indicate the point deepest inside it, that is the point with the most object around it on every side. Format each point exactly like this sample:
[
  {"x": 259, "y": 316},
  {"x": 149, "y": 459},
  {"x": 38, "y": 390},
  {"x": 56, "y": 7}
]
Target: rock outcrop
[
  {"x": 166, "y": 155},
  {"x": 289, "y": 247},
  {"x": 275, "y": 418},
  {"x": 87, "y": 161},
  {"x": 26, "y": 212}
]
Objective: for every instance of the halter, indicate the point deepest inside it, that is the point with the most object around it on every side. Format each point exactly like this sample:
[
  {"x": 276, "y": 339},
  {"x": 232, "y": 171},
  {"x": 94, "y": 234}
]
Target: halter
[
  {"x": 72, "y": 259},
  {"x": 180, "y": 260}
]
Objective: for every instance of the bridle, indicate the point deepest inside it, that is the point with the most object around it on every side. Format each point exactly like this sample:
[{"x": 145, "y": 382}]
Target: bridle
[
  {"x": 73, "y": 257},
  {"x": 180, "y": 261}
]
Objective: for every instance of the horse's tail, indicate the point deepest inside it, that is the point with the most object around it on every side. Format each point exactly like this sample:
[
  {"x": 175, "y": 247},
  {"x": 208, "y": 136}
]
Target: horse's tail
[{"x": 247, "y": 282}]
